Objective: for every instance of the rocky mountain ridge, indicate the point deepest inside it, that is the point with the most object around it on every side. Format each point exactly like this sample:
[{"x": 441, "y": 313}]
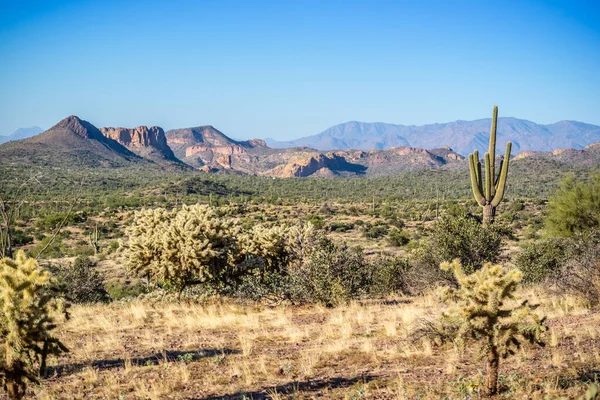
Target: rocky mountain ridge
[
  {"x": 147, "y": 142},
  {"x": 75, "y": 142},
  {"x": 462, "y": 136}
]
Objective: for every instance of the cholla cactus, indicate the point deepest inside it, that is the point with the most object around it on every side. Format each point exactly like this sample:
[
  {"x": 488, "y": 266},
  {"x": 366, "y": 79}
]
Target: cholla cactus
[
  {"x": 27, "y": 303},
  {"x": 483, "y": 317},
  {"x": 187, "y": 246},
  {"x": 267, "y": 243},
  {"x": 301, "y": 240}
]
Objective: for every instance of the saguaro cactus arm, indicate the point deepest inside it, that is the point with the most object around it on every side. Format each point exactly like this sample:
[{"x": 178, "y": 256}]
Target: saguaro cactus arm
[
  {"x": 501, "y": 185},
  {"x": 475, "y": 170}
]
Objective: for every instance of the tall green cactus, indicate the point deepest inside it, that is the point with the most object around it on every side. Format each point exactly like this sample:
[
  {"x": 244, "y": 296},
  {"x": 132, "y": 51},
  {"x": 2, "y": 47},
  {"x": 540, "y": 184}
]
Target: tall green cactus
[
  {"x": 94, "y": 240},
  {"x": 489, "y": 192}
]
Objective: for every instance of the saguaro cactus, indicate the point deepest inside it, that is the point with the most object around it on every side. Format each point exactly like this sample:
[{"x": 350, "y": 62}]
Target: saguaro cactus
[
  {"x": 489, "y": 192},
  {"x": 94, "y": 242}
]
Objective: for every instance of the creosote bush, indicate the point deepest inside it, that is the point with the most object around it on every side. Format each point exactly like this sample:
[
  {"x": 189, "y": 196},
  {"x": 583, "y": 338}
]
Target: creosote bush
[
  {"x": 462, "y": 238},
  {"x": 28, "y": 302},
  {"x": 482, "y": 311},
  {"x": 541, "y": 260}
]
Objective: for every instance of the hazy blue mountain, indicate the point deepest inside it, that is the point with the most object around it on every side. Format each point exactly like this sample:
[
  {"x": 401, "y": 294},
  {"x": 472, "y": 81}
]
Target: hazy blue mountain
[
  {"x": 462, "y": 136},
  {"x": 21, "y": 133}
]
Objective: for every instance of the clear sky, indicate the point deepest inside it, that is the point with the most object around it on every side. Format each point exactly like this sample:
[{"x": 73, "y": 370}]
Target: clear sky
[{"x": 285, "y": 69}]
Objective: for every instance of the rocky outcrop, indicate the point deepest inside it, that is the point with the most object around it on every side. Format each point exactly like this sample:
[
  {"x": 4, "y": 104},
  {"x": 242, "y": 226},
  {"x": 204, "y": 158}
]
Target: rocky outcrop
[
  {"x": 256, "y": 143},
  {"x": 524, "y": 154},
  {"x": 222, "y": 150},
  {"x": 146, "y": 142},
  {"x": 329, "y": 164}
]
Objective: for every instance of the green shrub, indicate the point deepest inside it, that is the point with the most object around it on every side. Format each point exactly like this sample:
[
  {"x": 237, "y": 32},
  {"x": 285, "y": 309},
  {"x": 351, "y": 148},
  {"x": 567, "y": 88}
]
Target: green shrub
[
  {"x": 389, "y": 275},
  {"x": 316, "y": 220},
  {"x": 340, "y": 227},
  {"x": 119, "y": 291},
  {"x": 56, "y": 249},
  {"x": 375, "y": 231},
  {"x": 395, "y": 221},
  {"x": 575, "y": 207},
  {"x": 398, "y": 237},
  {"x": 540, "y": 260},
  {"x": 462, "y": 238},
  {"x": 330, "y": 274},
  {"x": 20, "y": 238}
]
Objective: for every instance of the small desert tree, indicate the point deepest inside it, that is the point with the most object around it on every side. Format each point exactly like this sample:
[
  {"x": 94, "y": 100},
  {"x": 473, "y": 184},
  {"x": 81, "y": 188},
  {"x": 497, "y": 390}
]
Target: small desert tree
[
  {"x": 187, "y": 246},
  {"x": 484, "y": 318},
  {"x": 575, "y": 207},
  {"x": 27, "y": 305}
]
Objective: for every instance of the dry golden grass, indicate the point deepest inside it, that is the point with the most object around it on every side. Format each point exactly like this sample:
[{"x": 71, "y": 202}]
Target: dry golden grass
[{"x": 365, "y": 350}]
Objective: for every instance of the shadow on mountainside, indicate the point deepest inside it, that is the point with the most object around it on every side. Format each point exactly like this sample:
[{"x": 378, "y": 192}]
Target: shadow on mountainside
[
  {"x": 154, "y": 359},
  {"x": 292, "y": 387}
]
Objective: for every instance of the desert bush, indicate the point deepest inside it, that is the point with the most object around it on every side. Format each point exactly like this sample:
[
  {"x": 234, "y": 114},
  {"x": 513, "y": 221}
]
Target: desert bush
[
  {"x": 316, "y": 220},
  {"x": 375, "y": 231},
  {"x": 540, "y": 260},
  {"x": 580, "y": 270},
  {"x": 479, "y": 310},
  {"x": 395, "y": 221},
  {"x": 20, "y": 238},
  {"x": 389, "y": 275},
  {"x": 575, "y": 207},
  {"x": 340, "y": 226},
  {"x": 55, "y": 249},
  {"x": 398, "y": 237},
  {"x": 121, "y": 290},
  {"x": 462, "y": 238},
  {"x": 52, "y": 221},
  {"x": 82, "y": 283},
  {"x": 316, "y": 270},
  {"x": 27, "y": 308},
  {"x": 330, "y": 274}
]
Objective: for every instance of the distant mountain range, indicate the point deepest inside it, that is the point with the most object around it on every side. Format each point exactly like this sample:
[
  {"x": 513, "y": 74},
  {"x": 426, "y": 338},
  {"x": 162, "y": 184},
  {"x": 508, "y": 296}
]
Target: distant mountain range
[
  {"x": 462, "y": 136},
  {"x": 75, "y": 143},
  {"x": 21, "y": 133}
]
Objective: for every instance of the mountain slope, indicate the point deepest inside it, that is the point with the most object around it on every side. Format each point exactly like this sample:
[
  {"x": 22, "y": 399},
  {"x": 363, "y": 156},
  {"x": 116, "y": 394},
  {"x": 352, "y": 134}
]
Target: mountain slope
[
  {"x": 463, "y": 136},
  {"x": 21, "y": 133},
  {"x": 70, "y": 143},
  {"x": 150, "y": 143}
]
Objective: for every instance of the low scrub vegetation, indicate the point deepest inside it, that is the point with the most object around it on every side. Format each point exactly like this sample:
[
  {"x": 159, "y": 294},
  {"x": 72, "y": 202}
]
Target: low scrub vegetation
[{"x": 298, "y": 298}]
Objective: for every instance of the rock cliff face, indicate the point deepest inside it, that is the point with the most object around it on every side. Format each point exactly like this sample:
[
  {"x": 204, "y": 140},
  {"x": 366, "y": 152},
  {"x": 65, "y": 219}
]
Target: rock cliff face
[
  {"x": 329, "y": 164},
  {"x": 224, "y": 150},
  {"x": 146, "y": 142},
  {"x": 206, "y": 146}
]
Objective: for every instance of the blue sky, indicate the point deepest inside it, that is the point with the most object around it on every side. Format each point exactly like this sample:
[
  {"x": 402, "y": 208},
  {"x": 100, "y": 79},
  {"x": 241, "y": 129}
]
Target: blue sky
[{"x": 285, "y": 69}]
